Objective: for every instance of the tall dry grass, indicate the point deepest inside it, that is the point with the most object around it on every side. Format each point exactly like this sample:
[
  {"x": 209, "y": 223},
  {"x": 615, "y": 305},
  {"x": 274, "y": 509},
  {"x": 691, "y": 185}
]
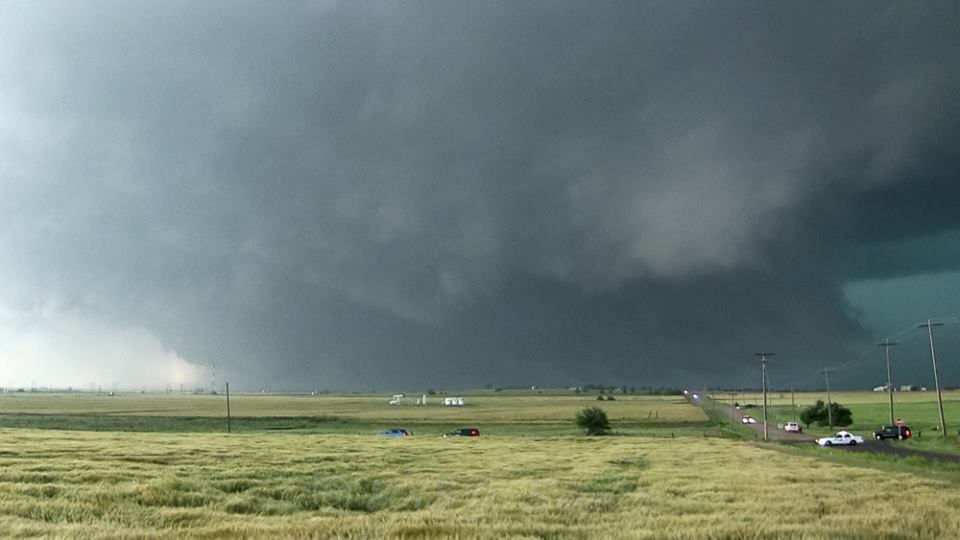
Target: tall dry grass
[{"x": 90, "y": 485}]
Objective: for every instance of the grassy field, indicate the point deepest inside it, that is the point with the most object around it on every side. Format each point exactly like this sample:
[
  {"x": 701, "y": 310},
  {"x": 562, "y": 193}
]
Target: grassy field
[
  {"x": 83, "y": 484},
  {"x": 313, "y": 467},
  {"x": 514, "y": 414}
]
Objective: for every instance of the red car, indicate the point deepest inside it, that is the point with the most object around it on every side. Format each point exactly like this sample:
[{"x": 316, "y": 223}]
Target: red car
[{"x": 463, "y": 432}]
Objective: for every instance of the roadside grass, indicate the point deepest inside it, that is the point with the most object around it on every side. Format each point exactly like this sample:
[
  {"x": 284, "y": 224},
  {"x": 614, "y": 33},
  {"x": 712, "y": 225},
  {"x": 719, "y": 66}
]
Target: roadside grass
[
  {"x": 207, "y": 485},
  {"x": 727, "y": 426},
  {"x": 871, "y": 412},
  {"x": 884, "y": 463}
]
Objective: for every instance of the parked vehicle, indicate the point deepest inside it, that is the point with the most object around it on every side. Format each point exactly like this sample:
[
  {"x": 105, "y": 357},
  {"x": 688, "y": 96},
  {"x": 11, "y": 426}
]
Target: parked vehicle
[
  {"x": 840, "y": 438},
  {"x": 793, "y": 427},
  {"x": 747, "y": 419},
  {"x": 893, "y": 432},
  {"x": 396, "y": 433},
  {"x": 463, "y": 432}
]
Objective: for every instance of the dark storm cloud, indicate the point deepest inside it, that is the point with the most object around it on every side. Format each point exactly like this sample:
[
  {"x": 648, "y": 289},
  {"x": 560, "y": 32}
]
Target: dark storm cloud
[{"x": 431, "y": 193}]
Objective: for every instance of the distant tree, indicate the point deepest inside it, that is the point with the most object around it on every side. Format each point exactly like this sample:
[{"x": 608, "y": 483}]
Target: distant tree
[
  {"x": 593, "y": 421},
  {"x": 813, "y": 414},
  {"x": 611, "y": 398},
  {"x": 599, "y": 398},
  {"x": 817, "y": 414}
]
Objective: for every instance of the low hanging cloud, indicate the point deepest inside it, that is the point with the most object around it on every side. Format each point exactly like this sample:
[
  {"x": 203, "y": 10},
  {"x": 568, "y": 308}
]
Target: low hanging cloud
[
  {"x": 57, "y": 348},
  {"x": 357, "y": 195}
]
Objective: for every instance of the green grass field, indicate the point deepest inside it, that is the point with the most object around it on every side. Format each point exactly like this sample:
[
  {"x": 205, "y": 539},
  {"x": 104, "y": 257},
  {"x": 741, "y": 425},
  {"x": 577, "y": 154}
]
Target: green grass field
[
  {"x": 513, "y": 414},
  {"x": 531, "y": 474}
]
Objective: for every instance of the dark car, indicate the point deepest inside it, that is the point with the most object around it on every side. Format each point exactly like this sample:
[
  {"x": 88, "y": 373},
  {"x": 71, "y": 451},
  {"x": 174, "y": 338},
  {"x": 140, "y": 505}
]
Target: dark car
[
  {"x": 463, "y": 432},
  {"x": 893, "y": 432}
]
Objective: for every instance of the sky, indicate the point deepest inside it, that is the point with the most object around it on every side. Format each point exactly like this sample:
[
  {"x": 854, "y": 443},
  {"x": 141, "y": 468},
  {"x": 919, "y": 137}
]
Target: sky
[{"x": 392, "y": 196}]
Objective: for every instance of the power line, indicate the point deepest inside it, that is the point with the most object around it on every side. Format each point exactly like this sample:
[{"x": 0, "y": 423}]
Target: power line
[{"x": 902, "y": 337}]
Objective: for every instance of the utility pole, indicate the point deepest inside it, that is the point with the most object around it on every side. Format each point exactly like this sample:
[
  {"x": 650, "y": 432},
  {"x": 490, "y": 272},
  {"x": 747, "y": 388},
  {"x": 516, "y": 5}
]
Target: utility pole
[
  {"x": 886, "y": 345},
  {"x": 763, "y": 370},
  {"x": 936, "y": 378},
  {"x": 826, "y": 378}
]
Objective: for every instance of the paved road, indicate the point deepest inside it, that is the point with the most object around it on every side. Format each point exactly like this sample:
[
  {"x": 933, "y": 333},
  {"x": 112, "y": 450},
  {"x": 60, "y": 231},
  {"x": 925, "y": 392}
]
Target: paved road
[
  {"x": 869, "y": 445},
  {"x": 773, "y": 433}
]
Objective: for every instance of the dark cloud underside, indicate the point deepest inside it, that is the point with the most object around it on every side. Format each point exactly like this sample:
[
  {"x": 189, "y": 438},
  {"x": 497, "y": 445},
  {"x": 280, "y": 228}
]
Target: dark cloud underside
[{"x": 444, "y": 193}]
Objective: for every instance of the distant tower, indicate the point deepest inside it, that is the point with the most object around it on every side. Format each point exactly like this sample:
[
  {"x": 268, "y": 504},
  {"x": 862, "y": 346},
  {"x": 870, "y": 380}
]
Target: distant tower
[{"x": 213, "y": 378}]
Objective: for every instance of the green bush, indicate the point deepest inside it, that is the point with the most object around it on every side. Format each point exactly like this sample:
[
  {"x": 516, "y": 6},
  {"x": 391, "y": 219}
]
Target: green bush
[
  {"x": 593, "y": 421},
  {"x": 817, "y": 414}
]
